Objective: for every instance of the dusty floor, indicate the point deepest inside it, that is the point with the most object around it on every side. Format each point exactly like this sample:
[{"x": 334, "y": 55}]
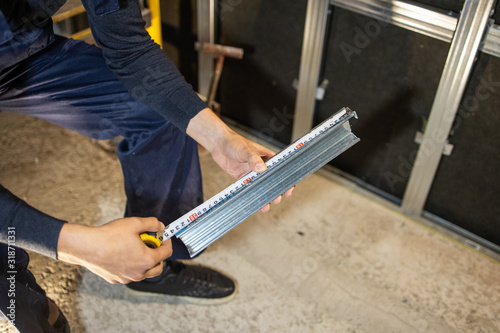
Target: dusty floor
[{"x": 325, "y": 260}]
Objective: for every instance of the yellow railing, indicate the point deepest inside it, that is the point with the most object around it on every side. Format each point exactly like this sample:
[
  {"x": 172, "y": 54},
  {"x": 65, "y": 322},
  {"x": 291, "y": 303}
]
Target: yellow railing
[
  {"x": 74, "y": 7},
  {"x": 155, "y": 28}
]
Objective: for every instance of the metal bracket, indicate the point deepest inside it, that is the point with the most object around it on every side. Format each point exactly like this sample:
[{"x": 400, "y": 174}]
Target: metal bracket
[
  {"x": 447, "y": 148},
  {"x": 320, "y": 90}
]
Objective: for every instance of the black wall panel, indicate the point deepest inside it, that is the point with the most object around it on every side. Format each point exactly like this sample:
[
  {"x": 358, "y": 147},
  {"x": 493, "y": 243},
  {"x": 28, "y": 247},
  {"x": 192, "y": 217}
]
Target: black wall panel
[
  {"x": 455, "y": 6},
  {"x": 496, "y": 14},
  {"x": 257, "y": 91},
  {"x": 450, "y": 5},
  {"x": 178, "y": 21},
  {"x": 466, "y": 189},
  {"x": 389, "y": 75}
]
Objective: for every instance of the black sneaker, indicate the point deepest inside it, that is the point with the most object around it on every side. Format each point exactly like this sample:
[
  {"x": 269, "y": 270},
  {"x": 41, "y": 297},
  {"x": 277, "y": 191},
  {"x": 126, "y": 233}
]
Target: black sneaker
[
  {"x": 192, "y": 283},
  {"x": 61, "y": 325}
]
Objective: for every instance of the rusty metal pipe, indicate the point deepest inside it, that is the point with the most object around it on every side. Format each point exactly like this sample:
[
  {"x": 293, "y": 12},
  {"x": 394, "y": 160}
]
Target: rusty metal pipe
[{"x": 220, "y": 50}]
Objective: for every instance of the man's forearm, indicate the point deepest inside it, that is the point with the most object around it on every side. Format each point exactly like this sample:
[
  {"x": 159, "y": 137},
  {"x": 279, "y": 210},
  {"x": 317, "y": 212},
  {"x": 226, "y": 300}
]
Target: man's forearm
[
  {"x": 33, "y": 229},
  {"x": 207, "y": 129}
]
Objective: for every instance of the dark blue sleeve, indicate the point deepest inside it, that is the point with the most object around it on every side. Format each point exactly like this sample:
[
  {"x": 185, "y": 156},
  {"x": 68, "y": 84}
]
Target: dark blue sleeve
[
  {"x": 139, "y": 63},
  {"x": 33, "y": 230}
]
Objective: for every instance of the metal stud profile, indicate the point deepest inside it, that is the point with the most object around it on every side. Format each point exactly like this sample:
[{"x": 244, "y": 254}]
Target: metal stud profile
[{"x": 315, "y": 151}]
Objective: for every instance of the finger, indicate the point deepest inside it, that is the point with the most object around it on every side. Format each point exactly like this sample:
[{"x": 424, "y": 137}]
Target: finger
[
  {"x": 266, "y": 208},
  {"x": 163, "y": 252},
  {"x": 277, "y": 200},
  {"x": 289, "y": 192},
  {"x": 155, "y": 271},
  {"x": 257, "y": 163}
]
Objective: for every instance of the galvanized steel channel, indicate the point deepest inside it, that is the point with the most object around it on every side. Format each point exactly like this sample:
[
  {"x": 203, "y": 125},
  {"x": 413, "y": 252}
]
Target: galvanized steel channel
[{"x": 268, "y": 185}]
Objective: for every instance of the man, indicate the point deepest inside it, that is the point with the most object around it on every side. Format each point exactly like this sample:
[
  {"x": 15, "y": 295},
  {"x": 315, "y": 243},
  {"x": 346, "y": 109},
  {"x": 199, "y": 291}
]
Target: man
[{"x": 129, "y": 88}]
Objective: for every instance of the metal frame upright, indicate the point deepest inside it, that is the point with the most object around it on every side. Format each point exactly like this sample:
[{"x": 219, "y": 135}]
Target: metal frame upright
[
  {"x": 456, "y": 73},
  {"x": 206, "y": 34},
  {"x": 471, "y": 32}
]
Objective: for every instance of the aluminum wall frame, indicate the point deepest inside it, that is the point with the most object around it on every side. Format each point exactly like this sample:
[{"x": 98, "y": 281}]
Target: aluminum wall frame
[
  {"x": 206, "y": 34},
  {"x": 310, "y": 64},
  {"x": 434, "y": 23},
  {"x": 465, "y": 33},
  {"x": 428, "y": 21},
  {"x": 456, "y": 73},
  {"x": 469, "y": 33}
]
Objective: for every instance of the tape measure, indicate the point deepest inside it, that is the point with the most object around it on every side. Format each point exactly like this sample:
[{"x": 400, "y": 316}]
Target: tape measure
[{"x": 209, "y": 221}]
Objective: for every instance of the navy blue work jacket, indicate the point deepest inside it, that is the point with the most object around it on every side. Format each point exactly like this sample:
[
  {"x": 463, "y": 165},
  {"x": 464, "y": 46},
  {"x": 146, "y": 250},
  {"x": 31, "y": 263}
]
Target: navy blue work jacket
[{"x": 118, "y": 29}]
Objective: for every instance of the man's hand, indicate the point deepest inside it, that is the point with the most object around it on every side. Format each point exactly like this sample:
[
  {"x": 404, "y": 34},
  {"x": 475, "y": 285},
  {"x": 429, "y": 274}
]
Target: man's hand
[
  {"x": 235, "y": 154},
  {"x": 114, "y": 251}
]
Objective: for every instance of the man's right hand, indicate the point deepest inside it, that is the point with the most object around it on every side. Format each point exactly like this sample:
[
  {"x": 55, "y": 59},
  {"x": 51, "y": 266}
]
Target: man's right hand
[
  {"x": 235, "y": 154},
  {"x": 114, "y": 251}
]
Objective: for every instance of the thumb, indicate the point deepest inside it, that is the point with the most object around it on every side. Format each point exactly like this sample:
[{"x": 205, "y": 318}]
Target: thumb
[{"x": 256, "y": 163}]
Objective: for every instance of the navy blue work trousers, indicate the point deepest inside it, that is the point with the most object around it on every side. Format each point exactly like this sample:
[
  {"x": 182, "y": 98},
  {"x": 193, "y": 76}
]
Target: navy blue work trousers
[{"x": 69, "y": 84}]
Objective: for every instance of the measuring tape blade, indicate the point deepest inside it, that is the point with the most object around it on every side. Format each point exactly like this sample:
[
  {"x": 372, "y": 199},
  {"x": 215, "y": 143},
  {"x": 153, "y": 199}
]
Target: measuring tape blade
[
  {"x": 322, "y": 136},
  {"x": 300, "y": 159},
  {"x": 182, "y": 222}
]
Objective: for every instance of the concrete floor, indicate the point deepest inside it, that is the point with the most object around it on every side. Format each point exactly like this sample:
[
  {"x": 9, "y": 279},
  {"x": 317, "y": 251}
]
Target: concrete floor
[{"x": 325, "y": 260}]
